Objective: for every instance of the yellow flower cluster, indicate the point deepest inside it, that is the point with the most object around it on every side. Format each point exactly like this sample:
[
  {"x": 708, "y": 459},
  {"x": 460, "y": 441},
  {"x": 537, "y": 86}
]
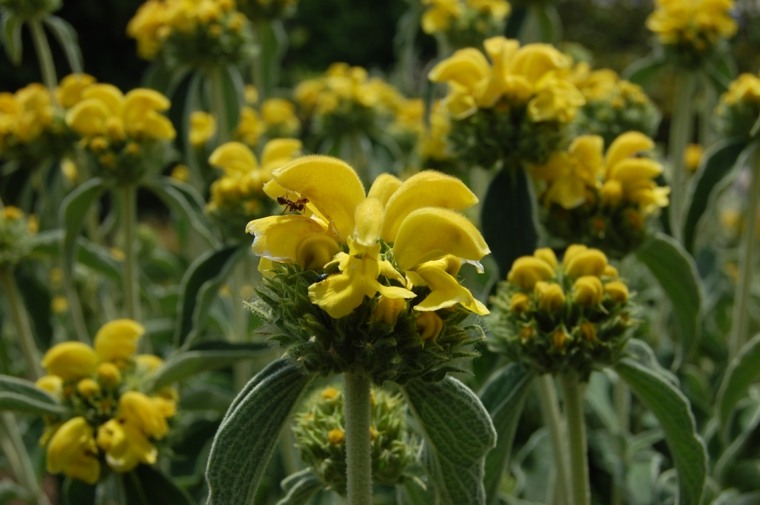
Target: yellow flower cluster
[
  {"x": 356, "y": 280},
  {"x": 533, "y": 76},
  {"x": 16, "y": 230},
  {"x": 613, "y": 105},
  {"x": 320, "y": 436},
  {"x": 601, "y": 198},
  {"x": 512, "y": 110},
  {"x": 29, "y": 122},
  {"x": 110, "y": 419},
  {"x": 346, "y": 98},
  {"x": 560, "y": 316},
  {"x": 694, "y": 26},
  {"x": 123, "y": 132},
  {"x": 464, "y": 22},
  {"x": 238, "y": 195},
  {"x": 273, "y": 118},
  {"x": 191, "y": 32},
  {"x": 739, "y": 106}
]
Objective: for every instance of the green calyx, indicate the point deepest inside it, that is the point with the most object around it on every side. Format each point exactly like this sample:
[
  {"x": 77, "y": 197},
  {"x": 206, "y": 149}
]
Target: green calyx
[{"x": 361, "y": 342}]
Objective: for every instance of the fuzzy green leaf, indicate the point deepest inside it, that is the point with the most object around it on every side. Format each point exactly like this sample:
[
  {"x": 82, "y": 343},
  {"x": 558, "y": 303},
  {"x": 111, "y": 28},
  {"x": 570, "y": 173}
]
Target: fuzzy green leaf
[
  {"x": 21, "y": 395},
  {"x": 185, "y": 201},
  {"x": 11, "y": 37},
  {"x": 68, "y": 39},
  {"x": 503, "y": 396},
  {"x": 249, "y": 432},
  {"x": 676, "y": 273},
  {"x": 300, "y": 488},
  {"x": 508, "y": 219},
  {"x": 198, "y": 290},
  {"x": 717, "y": 163},
  {"x": 202, "y": 357},
  {"x": 458, "y": 434},
  {"x": 74, "y": 210},
  {"x": 671, "y": 408},
  {"x": 88, "y": 253},
  {"x": 742, "y": 372}
]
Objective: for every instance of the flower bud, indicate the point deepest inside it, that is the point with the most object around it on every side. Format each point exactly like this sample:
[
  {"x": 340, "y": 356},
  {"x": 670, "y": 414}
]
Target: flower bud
[
  {"x": 588, "y": 331},
  {"x": 429, "y": 325},
  {"x": 587, "y": 262},
  {"x": 519, "y": 302},
  {"x": 617, "y": 290},
  {"x": 70, "y": 360},
  {"x": 387, "y": 310},
  {"x": 550, "y": 296},
  {"x": 108, "y": 375},
  {"x": 588, "y": 290},
  {"x": 612, "y": 193},
  {"x": 88, "y": 387},
  {"x": 528, "y": 270},
  {"x": 336, "y": 436},
  {"x": 116, "y": 341},
  {"x": 330, "y": 394},
  {"x": 559, "y": 338},
  {"x": 547, "y": 255}
]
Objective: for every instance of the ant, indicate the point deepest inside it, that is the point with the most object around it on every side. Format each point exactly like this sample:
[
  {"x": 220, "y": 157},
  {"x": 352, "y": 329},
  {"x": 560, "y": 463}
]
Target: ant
[{"x": 292, "y": 206}]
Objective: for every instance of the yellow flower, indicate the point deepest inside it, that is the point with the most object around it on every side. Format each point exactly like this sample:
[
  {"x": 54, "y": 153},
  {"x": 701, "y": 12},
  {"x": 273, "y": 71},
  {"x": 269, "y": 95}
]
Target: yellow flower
[
  {"x": 53, "y": 384},
  {"x": 108, "y": 374},
  {"x": 330, "y": 393},
  {"x": 70, "y": 89},
  {"x": 617, "y": 290},
  {"x": 202, "y": 128},
  {"x": 414, "y": 218},
  {"x": 125, "y": 446},
  {"x": 570, "y": 174},
  {"x": 630, "y": 176},
  {"x": 148, "y": 414},
  {"x": 88, "y": 387},
  {"x": 387, "y": 310},
  {"x": 336, "y": 436},
  {"x": 70, "y": 360},
  {"x": 73, "y": 452},
  {"x": 116, "y": 341},
  {"x": 519, "y": 302},
  {"x": 696, "y": 23}
]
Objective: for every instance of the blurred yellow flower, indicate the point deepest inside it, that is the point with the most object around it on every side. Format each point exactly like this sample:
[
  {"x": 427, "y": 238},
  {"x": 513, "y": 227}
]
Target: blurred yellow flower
[
  {"x": 698, "y": 24},
  {"x": 73, "y": 452},
  {"x": 202, "y": 128},
  {"x": 116, "y": 341}
]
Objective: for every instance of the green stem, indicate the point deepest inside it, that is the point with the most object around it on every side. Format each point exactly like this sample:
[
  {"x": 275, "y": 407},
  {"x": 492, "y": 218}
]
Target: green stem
[
  {"x": 356, "y": 408},
  {"x": 622, "y": 400},
  {"x": 576, "y": 439},
  {"x": 740, "y": 319},
  {"x": 707, "y": 112},
  {"x": 75, "y": 307},
  {"x": 679, "y": 137},
  {"x": 45, "y": 56},
  {"x": 218, "y": 104},
  {"x": 129, "y": 230},
  {"x": 18, "y": 458},
  {"x": 22, "y": 323},
  {"x": 554, "y": 425}
]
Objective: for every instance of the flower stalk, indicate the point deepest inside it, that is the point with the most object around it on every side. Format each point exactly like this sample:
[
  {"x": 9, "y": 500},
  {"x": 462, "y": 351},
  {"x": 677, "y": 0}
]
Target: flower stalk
[
  {"x": 22, "y": 322},
  {"x": 44, "y": 56},
  {"x": 131, "y": 281},
  {"x": 740, "y": 319},
  {"x": 679, "y": 136},
  {"x": 553, "y": 421},
  {"x": 358, "y": 449},
  {"x": 572, "y": 391},
  {"x": 219, "y": 103}
]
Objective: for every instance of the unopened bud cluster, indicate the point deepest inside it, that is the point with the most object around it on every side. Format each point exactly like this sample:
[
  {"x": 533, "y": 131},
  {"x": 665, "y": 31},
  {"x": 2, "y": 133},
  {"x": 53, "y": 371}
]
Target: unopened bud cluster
[
  {"x": 561, "y": 316},
  {"x": 320, "y": 436}
]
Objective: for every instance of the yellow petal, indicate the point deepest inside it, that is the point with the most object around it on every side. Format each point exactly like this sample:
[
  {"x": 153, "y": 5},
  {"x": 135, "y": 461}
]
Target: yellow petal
[
  {"x": 589, "y": 262},
  {"x": 117, "y": 340},
  {"x": 425, "y": 189},
  {"x": 431, "y": 233},
  {"x": 147, "y": 413},
  {"x": 446, "y": 291},
  {"x": 234, "y": 158},
  {"x": 588, "y": 290},
  {"x": 280, "y": 238},
  {"x": 330, "y": 185},
  {"x": 630, "y": 170},
  {"x": 70, "y": 360},
  {"x": 627, "y": 145},
  {"x": 72, "y": 451},
  {"x": 88, "y": 117},
  {"x": 125, "y": 446},
  {"x": 466, "y": 67},
  {"x": 108, "y": 94},
  {"x": 526, "y": 271},
  {"x": 278, "y": 152},
  {"x": 369, "y": 221},
  {"x": 384, "y": 186}
]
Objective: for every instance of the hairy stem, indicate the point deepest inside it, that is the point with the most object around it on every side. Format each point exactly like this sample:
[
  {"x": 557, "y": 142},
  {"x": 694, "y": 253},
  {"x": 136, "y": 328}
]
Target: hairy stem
[{"x": 356, "y": 407}]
